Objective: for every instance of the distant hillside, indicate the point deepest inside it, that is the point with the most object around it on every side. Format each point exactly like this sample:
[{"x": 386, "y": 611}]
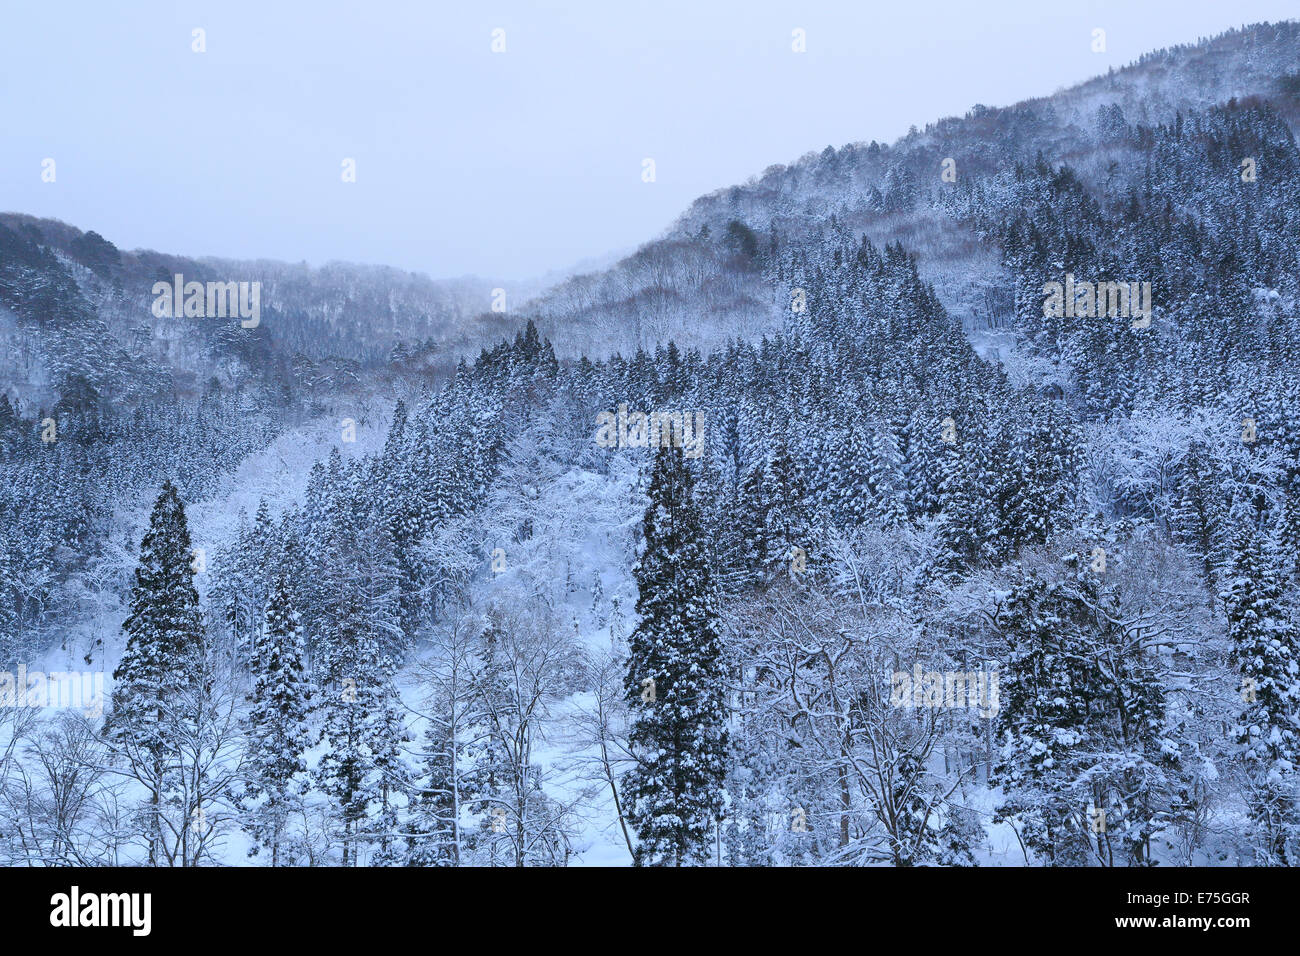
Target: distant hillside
[
  {"x": 321, "y": 329},
  {"x": 710, "y": 278},
  {"x": 894, "y": 193}
]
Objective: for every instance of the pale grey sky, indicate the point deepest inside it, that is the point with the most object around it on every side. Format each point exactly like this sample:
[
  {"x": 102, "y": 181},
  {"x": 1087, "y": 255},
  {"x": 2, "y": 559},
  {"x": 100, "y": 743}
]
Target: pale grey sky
[{"x": 509, "y": 164}]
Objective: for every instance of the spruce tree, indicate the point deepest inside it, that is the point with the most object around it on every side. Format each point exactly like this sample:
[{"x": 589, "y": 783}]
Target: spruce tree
[
  {"x": 486, "y": 782},
  {"x": 433, "y": 836},
  {"x": 278, "y": 734},
  {"x": 1264, "y": 650},
  {"x": 1084, "y": 725},
  {"x": 960, "y": 540},
  {"x": 363, "y": 730},
  {"x": 886, "y": 480},
  {"x": 1048, "y": 686},
  {"x": 361, "y": 721},
  {"x": 788, "y": 520},
  {"x": 164, "y": 649},
  {"x": 749, "y": 527},
  {"x": 674, "y": 680}
]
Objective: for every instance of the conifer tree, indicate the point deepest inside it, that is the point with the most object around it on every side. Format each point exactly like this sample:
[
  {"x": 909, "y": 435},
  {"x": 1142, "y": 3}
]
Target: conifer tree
[
  {"x": 164, "y": 651},
  {"x": 278, "y": 734},
  {"x": 1264, "y": 650},
  {"x": 362, "y": 725},
  {"x": 363, "y": 730},
  {"x": 434, "y": 836},
  {"x": 674, "y": 681},
  {"x": 887, "y": 481},
  {"x": 960, "y": 541},
  {"x": 1084, "y": 725}
]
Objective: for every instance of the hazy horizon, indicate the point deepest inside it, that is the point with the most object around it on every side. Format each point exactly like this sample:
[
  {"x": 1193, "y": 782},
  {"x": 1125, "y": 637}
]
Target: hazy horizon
[{"x": 505, "y": 165}]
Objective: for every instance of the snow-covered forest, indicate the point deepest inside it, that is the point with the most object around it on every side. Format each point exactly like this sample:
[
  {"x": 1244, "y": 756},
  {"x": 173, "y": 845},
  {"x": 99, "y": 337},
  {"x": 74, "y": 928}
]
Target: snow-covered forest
[{"x": 811, "y": 533}]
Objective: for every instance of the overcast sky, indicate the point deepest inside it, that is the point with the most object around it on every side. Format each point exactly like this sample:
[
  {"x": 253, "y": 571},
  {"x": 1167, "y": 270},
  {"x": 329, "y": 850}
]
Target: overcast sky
[{"x": 502, "y": 164}]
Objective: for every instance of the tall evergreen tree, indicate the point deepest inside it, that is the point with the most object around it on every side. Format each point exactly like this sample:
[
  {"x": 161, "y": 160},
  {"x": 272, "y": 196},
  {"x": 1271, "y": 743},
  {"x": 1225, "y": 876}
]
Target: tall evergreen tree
[
  {"x": 164, "y": 650},
  {"x": 960, "y": 516},
  {"x": 1264, "y": 649},
  {"x": 278, "y": 734},
  {"x": 674, "y": 680},
  {"x": 361, "y": 720}
]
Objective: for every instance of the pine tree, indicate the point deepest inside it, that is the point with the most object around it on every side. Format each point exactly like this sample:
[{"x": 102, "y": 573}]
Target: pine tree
[
  {"x": 1083, "y": 725},
  {"x": 959, "y": 516},
  {"x": 393, "y": 472},
  {"x": 164, "y": 650},
  {"x": 887, "y": 481},
  {"x": 362, "y": 728},
  {"x": 674, "y": 681},
  {"x": 852, "y": 495},
  {"x": 362, "y": 723},
  {"x": 434, "y": 833},
  {"x": 749, "y": 527},
  {"x": 278, "y": 734},
  {"x": 1264, "y": 650},
  {"x": 1199, "y": 512},
  {"x": 788, "y": 519},
  {"x": 1039, "y": 483},
  {"x": 1048, "y": 688}
]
